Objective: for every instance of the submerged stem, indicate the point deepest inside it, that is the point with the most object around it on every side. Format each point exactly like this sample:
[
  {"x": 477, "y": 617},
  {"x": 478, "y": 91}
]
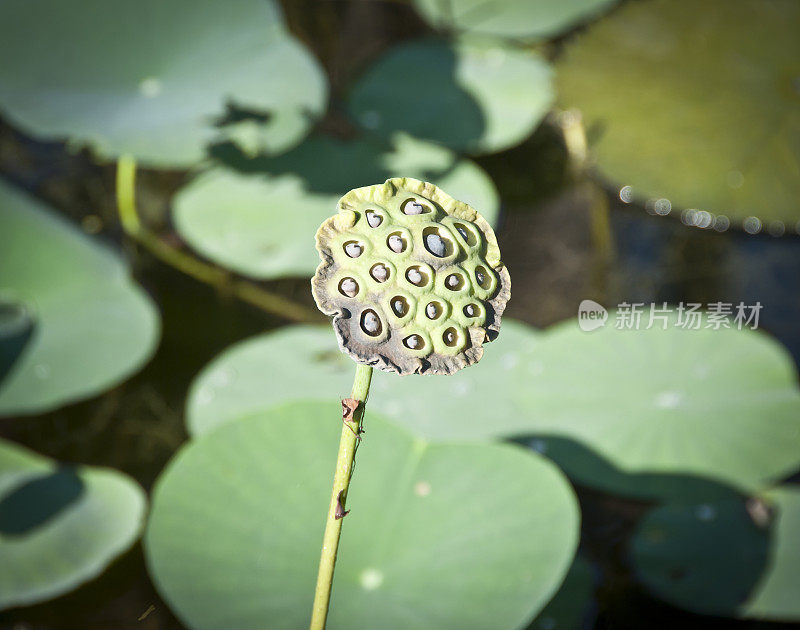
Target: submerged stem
[
  {"x": 348, "y": 442},
  {"x": 191, "y": 266}
]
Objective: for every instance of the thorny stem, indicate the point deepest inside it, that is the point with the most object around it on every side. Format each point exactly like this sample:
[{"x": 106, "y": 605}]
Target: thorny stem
[
  {"x": 348, "y": 443},
  {"x": 191, "y": 266}
]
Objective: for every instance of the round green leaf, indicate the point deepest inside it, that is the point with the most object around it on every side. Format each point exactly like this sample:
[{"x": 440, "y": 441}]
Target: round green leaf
[
  {"x": 151, "y": 78},
  {"x": 696, "y": 103},
  {"x": 437, "y": 537},
  {"x": 706, "y": 557},
  {"x": 722, "y": 405},
  {"x": 650, "y": 413},
  {"x": 586, "y": 467},
  {"x": 775, "y": 597},
  {"x": 573, "y": 604},
  {"x": 60, "y": 526},
  {"x": 85, "y": 325},
  {"x": 516, "y": 19},
  {"x": 733, "y": 558},
  {"x": 234, "y": 384},
  {"x": 263, "y": 225},
  {"x": 476, "y": 97}
]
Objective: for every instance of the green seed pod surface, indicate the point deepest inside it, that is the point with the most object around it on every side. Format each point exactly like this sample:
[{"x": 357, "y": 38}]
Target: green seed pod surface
[{"x": 412, "y": 278}]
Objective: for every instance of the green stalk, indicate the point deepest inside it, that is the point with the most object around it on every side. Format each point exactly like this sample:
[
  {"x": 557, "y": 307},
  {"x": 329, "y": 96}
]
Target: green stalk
[
  {"x": 348, "y": 443},
  {"x": 203, "y": 272}
]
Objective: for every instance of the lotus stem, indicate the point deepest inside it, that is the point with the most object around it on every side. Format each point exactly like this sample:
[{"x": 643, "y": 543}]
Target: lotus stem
[
  {"x": 209, "y": 274},
  {"x": 353, "y": 415}
]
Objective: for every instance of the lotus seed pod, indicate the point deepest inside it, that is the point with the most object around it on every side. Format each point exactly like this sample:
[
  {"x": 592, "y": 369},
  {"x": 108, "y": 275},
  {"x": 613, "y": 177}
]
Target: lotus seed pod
[{"x": 412, "y": 278}]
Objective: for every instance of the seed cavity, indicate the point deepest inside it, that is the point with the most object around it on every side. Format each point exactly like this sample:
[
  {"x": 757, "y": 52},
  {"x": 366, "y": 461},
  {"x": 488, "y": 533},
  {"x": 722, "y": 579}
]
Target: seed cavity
[
  {"x": 373, "y": 219},
  {"x": 412, "y": 206},
  {"x": 470, "y": 310},
  {"x": 353, "y": 249},
  {"x": 400, "y": 306},
  {"x": 348, "y": 287},
  {"x": 380, "y": 272},
  {"x": 467, "y": 234},
  {"x": 433, "y": 310},
  {"x": 414, "y": 342},
  {"x": 416, "y": 276},
  {"x": 482, "y": 276},
  {"x": 454, "y": 282},
  {"x": 396, "y": 243},
  {"x": 371, "y": 323},
  {"x": 450, "y": 337},
  {"x": 436, "y": 244}
]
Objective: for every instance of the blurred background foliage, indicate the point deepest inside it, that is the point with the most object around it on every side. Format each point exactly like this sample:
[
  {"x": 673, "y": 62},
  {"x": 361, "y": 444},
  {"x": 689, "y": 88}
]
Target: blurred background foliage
[{"x": 164, "y": 168}]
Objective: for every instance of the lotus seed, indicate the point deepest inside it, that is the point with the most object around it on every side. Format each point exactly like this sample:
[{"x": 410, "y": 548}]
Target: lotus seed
[
  {"x": 399, "y": 306},
  {"x": 353, "y": 249},
  {"x": 470, "y": 310},
  {"x": 452, "y": 281},
  {"x": 482, "y": 277},
  {"x": 413, "y": 342},
  {"x": 380, "y": 273},
  {"x": 412, "y": 206},
  {"x": 450, "y": 337},
  {"x": 432, "y": 310},
  {"x": 374, "y": 219},
  {"x": 371, "y": 323},
  {"x": 396, "y": 243},
  {"x": 463, "y": 231},
  {"x": 414, "y": 276},
  {"x": 435, "y": 245},
  {"x": 349, "y": 287}
]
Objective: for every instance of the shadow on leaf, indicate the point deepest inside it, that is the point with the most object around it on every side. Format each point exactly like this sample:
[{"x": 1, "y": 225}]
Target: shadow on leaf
[{"x": 39, "y": 501}]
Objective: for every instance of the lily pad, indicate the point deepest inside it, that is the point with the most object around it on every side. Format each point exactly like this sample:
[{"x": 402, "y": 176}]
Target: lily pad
[
  {"x": 152, "y": 79},
  {"x": 514, "y": 19},
  {"x": 573, "y": 606},
  {"x": 719, "y": 405},
  {"x": 262, "y": 223},
  {"x": 234, "y": 384},
  {"x": 475, "y": 97},
  {"x": 238, "y": 517},
  {"x": 775, "y": 597},
  {"x": 649, "y": 413},
  {"x": 682, "y": 552},
  {"x": 60, "y": 526},
  {"x": 586, "y": 467},
  {"x": 696, "y": 103},
  {"x": 82, "y": 325},
  {"x": 706, "y": 557}
]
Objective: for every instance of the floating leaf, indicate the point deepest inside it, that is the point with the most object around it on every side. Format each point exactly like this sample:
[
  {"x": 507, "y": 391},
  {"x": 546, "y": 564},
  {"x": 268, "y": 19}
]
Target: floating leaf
[
  {"x": 732, "y": 558},
  {"x": 573, "y": 604},
  {"x": 706, "y": 557},
  {"x": 153, "y": 78},
  {"x": 81, "y": 324},
  {"x": 234, "y": 384},
  {"x": 476, "y": 97},
  {"x": 695, "y": 103},
  {"x": 722, "y": 405},
  {"x": 586, "y": 467},
  {"x": 515, "y": 19},
  {"x": 775, "y": 597},
  {"x": 650, "y": 413},
  {"x": 437, "y": 537},
  {"x": 60, "y": 526},
  {"x": 263, "y": 225}
]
